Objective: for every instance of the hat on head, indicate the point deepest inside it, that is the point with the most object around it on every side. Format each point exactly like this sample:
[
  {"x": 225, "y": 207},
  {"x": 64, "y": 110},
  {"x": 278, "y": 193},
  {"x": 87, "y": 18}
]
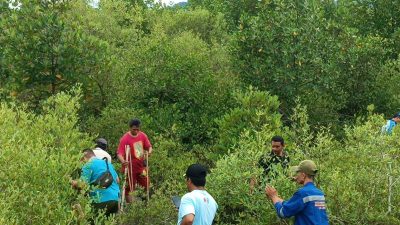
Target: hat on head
[
  {"x": 307, "y": 166},
  {"x": 101, "y": 141},
  {"x": 196, "y": 171},
  {"x": 396, "y": 115}
]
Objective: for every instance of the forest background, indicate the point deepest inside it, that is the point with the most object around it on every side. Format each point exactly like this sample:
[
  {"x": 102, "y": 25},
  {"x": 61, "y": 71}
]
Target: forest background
[{"x": 212, "y": 81}]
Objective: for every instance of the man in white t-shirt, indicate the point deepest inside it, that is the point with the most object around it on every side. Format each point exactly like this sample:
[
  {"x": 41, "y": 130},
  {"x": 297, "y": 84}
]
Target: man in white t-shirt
[
  {"x": 197, "y": 207},
  {"x": 101, "y": 149}
]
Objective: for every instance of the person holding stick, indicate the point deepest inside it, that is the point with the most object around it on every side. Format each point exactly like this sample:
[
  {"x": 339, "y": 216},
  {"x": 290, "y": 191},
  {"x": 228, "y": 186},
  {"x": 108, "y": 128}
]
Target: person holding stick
[{"x": 136, "y": 143}]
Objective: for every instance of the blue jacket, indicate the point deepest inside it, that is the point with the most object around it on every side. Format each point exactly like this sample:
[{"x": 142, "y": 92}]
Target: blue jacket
[
  {"x": 389, "y": 126},
  {"x": 93, "y": 170},
  {"x": 307, "y": 206}
]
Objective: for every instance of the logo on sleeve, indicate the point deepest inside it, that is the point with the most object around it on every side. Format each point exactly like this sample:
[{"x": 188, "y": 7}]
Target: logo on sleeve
[{"x": 320, "y": 204}]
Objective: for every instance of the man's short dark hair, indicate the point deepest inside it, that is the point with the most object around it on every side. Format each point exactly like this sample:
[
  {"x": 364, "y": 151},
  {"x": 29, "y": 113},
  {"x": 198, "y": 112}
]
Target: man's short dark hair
[
  {"x": 85, "y": 150},
  {"x": 198, "y": 182},
  {"x": 134, "y": 122},
  {"x": 278, "y": 139},
  {"x": 197, "y": 174},
  {"x": 312, "y": 177},
  {"x": 88, "y": 152}
]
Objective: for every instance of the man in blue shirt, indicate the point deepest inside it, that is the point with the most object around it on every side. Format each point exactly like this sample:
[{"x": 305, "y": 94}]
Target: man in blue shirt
[
  {"x": 388, "y": 128},
  {"x": 197, "y": 207},
  {"x": 102, "y": 198},
  {"x": 307, "y": 205}
]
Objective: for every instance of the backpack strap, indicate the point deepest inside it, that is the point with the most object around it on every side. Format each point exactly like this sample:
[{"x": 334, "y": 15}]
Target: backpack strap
[{"x": 106, "y": 161}]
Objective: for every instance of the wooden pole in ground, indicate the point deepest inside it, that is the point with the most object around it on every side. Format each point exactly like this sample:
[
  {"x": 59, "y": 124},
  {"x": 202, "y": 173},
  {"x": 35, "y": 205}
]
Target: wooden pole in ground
[
  {"x": 148, "y": 176},
  {"x": 127, "y": 153}
]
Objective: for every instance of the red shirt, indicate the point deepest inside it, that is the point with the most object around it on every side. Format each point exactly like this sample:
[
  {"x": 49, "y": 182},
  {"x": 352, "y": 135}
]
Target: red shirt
[{"x": 137, "y": 146}]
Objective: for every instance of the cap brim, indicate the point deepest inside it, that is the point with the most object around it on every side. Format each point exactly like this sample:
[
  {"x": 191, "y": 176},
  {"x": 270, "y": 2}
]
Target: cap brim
[{"x": 295, "y": 169}]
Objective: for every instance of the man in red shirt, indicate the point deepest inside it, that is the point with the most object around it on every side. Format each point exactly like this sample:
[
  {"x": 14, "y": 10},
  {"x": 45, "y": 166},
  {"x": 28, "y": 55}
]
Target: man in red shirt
[{"x": 138, "y": 143}]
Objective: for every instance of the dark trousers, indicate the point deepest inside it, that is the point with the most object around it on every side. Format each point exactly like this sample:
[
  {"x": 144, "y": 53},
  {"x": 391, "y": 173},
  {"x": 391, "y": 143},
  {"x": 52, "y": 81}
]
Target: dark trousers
[{"x": 110, "y": 207}]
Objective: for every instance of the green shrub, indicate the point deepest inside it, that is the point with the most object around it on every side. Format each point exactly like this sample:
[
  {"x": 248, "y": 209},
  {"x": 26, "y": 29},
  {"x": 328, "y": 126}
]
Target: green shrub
[
  {"x": 38, "y": 154},
  {"x": 181, "y": 82},
  {"x": 229, "y": 183},
  {"x": 253, "y": 110},
  {"x": 355, "y": 174},
  {"x": 159, "y": 210}
]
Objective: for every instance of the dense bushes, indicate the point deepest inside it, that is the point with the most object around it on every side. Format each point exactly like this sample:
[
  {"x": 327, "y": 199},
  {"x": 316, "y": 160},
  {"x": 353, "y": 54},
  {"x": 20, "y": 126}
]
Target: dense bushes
[
  {"x": 175, "y": 82},
  {"x": 38, "y": 155},
  {"x": 353, "y": 174},
  {"x": 252, "y": 111},
  {"x": 46, "y": 149},
  {"x": 185, "y": 73},
  {"x": 357, "y": 172}
]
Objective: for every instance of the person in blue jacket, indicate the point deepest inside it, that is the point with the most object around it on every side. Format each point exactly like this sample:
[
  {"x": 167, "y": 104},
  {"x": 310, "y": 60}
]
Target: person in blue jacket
[
  {"x": 102, "y": 198},
  {"x": 388, "y": 127},
  {"x": 307, "y": 205}
]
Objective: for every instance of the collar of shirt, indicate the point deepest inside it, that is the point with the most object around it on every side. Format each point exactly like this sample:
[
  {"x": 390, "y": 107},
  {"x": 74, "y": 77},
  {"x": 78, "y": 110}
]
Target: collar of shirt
[
  {"x": 272, "y": 154},
  {"x": 309, "y": 184},
  {"x": 91, "y": 158}
]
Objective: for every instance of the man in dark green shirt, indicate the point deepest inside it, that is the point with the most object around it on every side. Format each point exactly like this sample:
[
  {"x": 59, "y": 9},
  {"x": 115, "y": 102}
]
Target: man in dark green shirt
[{"x": 277, "y": 156}]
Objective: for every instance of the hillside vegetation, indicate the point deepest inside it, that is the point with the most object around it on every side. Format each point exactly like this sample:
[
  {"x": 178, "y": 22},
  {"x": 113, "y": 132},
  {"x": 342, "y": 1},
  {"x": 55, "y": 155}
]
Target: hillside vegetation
[{"x": 212, "y": 82}]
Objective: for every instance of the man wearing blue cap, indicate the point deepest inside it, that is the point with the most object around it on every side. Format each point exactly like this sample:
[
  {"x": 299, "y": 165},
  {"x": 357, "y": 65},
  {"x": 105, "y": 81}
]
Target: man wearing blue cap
[
  {"x": 197, "y": 207},
  {"x": 388, "y": 128}
]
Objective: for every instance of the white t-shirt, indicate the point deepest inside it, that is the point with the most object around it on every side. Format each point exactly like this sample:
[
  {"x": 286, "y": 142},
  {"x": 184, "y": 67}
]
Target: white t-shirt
[
  {"x": 100, "y": 154},
  {"x": 199, "y": 203}
]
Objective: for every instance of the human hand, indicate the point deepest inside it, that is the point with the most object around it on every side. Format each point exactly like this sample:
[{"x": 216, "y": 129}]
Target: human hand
[
  {"x": 271, "y": 191},
  {"x": 144, "y": 173},
  {"x": 74, "y": 183},
  {"x": 125, "y": 163},
  {"x": 253, "y": 182}
]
